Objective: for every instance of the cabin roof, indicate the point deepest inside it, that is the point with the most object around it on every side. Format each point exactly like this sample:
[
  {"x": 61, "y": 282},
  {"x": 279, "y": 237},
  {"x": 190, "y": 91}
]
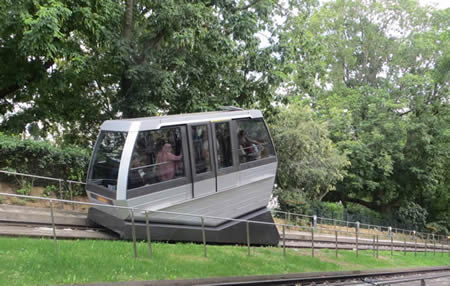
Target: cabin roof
[{"x": 156, "y": 122}]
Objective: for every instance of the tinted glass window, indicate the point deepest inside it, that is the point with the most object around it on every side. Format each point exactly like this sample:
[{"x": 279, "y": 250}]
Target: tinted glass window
[
  {"x": 157, "y": 157},
  {"x": 201, "y": 148},
  {"x": 223, "y": 140},
  {"x": 107, "y": 157},
  {"x": 253, "y": 140}
]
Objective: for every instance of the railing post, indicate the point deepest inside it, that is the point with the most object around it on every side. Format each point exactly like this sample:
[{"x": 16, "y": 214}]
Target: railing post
[
  {"x": 284, "y": 241},
  {"x": 377, "y": 245},
  {"x": 71, "y": 195},
  {"x": 434, "y": 246},
  {"x": 426, "y": 246},
  {"x": 390, "y": 231},
  {"x": 336, "y": 240},
  {"x": 312, "y": 242},
  {"x": 357, "y": 227},
  {"x": 149, "y": 238},
  {"x": 392, "y": 245},
  {"x": 374, "y": 245},
  {"x": 404, "y": 245},
  {"x": 133, "y": 233},
  {"x": 248, "y": 238},
  {"x": 60, "y": 192},
  {"x": 415, "y": 244},
  {"x": 53, "y": 226},
  {"x": 315, "y": 222},
  {"x": 289, "y": 216},
  {"x": 357, "y": 242},
  {"x": 203, "y": 236}
]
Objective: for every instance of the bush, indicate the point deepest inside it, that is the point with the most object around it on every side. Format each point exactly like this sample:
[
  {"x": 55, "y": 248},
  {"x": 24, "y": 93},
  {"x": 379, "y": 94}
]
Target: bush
[
  {"x": 293, "y": 201},
  {"x": 412, "y": 215},
  {"x": 44, "y": 159},
  {"x": 437, "y": 227}
]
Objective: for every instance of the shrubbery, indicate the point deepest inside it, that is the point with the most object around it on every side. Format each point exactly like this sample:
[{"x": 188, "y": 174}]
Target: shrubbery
[{"x": 44, "y": 159}]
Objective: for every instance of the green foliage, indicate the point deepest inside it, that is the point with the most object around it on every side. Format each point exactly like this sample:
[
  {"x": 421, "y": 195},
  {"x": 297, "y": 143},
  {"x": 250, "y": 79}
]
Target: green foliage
[
  {"x": 308, "y": 160},
  {"x": 18, "y": 202},
  {"x": 384, "y": 93},
  {"x": 77, "y": 63},
  {"x": 42, "y": 158},
  {"x": 49, "y": 190},
  {"x": 293, "y": 201},
  {"x": 437, "y": 228},
  {"x": 25, "y": 189},
  {"x": 374, "y": 76},
  {"x": 413, "y": 215}
]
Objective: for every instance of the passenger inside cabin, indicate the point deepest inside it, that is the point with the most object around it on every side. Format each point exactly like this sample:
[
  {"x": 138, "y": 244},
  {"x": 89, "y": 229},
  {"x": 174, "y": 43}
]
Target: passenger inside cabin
[
  {"x": 167, "y": 163},
  {"x": 249, "y": 149}
]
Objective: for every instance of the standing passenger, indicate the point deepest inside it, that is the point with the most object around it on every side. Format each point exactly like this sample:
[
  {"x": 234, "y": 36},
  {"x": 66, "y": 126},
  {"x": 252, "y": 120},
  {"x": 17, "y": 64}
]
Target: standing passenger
[{"x": 167, "y": 162}]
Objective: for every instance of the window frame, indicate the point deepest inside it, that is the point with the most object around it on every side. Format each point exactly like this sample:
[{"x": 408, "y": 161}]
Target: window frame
[
  {"x": 264, "y": 161},
  {"x": 99, "y": 189},
  {"x": 234, "y": 166},
  {"x": 173, "y": 183},
  {"x": 212, "y": 172}
]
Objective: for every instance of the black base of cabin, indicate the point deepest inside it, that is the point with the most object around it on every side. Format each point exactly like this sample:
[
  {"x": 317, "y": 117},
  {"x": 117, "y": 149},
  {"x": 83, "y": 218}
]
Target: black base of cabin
[{"x": 228, "y": 233}]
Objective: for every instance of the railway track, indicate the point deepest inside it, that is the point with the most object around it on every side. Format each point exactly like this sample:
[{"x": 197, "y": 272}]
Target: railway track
[
  {"x": 432, "y": 276},
  {"x": 36, "y": 222}
]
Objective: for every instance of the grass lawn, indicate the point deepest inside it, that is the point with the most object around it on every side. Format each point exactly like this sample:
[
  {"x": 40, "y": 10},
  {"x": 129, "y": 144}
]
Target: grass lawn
[{"x": 27, "y": 261}]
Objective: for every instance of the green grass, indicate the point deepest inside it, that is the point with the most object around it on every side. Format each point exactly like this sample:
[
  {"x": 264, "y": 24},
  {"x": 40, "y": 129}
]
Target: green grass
[{"x": 26, "y": 261}]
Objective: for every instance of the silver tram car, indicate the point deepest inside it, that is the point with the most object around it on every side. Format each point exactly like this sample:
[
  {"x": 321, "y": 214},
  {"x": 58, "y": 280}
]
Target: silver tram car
[{"x": 220, "y": 164}]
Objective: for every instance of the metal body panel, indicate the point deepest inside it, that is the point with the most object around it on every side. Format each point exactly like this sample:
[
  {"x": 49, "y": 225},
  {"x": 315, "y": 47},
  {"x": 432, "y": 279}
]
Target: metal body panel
[
  {"x": 150, "y": 123},
  {"x": 253, "y": 193},
  {"x": 227, "y": 181},
  {"x": 162, "y": 199},
  {"x": 122, "y": 178},
  {"x": 230, "y": 192},
  {"x": 204, "y": 187},
  {"x": 231, "y": 232}
]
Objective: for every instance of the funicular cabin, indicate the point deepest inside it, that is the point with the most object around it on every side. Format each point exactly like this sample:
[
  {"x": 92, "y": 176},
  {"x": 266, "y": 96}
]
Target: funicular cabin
[{"x": 220, "y": 164}]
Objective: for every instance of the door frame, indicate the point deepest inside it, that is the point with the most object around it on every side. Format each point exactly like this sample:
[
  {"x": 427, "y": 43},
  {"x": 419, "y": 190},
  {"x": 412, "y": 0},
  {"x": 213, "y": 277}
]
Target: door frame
[{"x": 212, "y": 173}]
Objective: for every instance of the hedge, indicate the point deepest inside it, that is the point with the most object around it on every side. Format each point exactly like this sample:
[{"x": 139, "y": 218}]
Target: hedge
[{"x": 43, "y": 158}]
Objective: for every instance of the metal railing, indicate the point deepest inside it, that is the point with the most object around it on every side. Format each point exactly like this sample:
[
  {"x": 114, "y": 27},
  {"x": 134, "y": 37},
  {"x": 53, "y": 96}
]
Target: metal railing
[
  {"x": 60, "y": 182},
  {"x": 314, "y": 220},
  {"x": 421, "y": 242},
  {"x": 132, "y": 210}
]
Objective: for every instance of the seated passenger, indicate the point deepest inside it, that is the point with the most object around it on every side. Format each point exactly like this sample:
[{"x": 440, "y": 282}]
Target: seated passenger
[
  {"x": 248, "y": 148},
  {"x": 167, "y": 163}
]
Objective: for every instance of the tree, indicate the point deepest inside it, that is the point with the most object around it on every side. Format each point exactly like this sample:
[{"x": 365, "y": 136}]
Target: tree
[
  {"x": 53, "y": 58},
  {"x": 385, "y": 95},
  {"x": 185, "y": 56},
  {"x": 308, "y": 160},
  {"x": 72, "y": 64}
]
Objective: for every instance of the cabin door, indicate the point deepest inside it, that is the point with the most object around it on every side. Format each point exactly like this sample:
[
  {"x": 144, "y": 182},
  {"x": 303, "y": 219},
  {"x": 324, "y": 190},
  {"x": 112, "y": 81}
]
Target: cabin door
[
  {"x": 225, "y": 158},
  {"x": 201, "y": 150}
]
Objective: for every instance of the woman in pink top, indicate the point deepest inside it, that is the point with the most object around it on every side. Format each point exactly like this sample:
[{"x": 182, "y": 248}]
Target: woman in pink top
[{"x": 167, "y": 163}]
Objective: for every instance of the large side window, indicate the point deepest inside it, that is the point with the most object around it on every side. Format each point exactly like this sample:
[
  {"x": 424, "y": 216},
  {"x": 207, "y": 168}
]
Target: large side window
[
  {"x": 106, "y": 162},
  {"x": 157, "y": 157},
  {"x": 223, "y": 141},
  {"x": 253, "y": 140},
  {"x": 201, "y": 149}
]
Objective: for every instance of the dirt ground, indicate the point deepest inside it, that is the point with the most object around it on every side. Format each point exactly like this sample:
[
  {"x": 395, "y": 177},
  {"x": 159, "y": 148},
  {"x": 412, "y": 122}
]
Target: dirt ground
[{"x": 39, "y": 192}]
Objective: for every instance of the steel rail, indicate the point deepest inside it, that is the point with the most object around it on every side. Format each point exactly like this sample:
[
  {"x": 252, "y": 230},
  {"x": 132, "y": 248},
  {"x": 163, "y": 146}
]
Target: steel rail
[
  {"x": 357, "y": 225},
  {"x": 177, "y": 213},
  {"x": 283, "y": 279}
]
